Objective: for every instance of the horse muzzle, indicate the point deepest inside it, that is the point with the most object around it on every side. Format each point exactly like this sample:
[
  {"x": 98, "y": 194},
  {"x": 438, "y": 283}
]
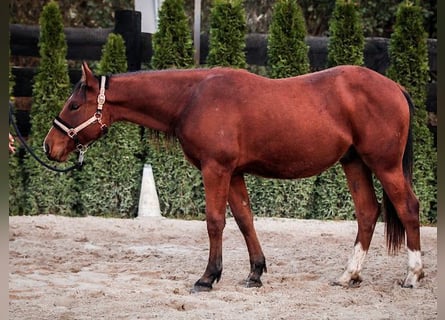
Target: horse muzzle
[
  {"x": 54, "y": 151},
  {"x": 52, "y": 156}
]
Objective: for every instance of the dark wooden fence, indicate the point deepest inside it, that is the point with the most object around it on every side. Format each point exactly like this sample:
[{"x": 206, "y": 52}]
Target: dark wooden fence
[{"x": 86, "y": 44}]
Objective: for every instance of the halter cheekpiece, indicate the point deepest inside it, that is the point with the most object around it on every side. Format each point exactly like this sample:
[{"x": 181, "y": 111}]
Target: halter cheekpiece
[{"x": 97, "y": 117}]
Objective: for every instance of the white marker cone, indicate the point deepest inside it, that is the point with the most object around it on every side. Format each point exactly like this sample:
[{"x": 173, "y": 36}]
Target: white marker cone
[{"x": 148, "y": 199}]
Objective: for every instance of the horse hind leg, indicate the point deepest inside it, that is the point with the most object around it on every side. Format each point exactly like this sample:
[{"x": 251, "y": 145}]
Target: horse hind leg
[
  {"x": 240, "y": 206},
  {"x": 402, "y": 216},
  {"x": 367, "y": 211}
]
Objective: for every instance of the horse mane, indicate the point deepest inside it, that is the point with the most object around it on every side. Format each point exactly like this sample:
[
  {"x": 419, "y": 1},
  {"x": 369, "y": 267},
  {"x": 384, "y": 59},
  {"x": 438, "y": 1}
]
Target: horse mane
[{"x": 161, "y": 141}]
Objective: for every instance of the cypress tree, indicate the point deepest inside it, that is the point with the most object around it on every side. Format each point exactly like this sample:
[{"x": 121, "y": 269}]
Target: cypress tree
[
  {"x": 331, "y": 197},
  {"x": 408, "y": 53},
  {"x": 172, "y": 43},
  {"x": 49, "y": 192},
  {"x": 346, "y": 38},
  {"x": 113, "y": 59},
  {"x": 287, "y": 51},
  {"x": 227, "y": 34},
  {"x": 111, "y": 176}
]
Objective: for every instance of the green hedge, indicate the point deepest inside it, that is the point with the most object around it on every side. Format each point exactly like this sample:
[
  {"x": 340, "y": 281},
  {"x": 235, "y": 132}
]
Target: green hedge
[{"x": 179, "y": 184}]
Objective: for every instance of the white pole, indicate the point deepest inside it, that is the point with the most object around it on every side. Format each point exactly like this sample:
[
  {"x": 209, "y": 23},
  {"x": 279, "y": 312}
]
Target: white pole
[
  {"x": 148, "y": 199},
  {"x": 197, "y": 31}
]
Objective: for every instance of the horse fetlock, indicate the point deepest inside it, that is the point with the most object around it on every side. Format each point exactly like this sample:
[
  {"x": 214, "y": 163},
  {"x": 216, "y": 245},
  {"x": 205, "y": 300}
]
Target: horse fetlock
[{"x": 258, "y": 267}]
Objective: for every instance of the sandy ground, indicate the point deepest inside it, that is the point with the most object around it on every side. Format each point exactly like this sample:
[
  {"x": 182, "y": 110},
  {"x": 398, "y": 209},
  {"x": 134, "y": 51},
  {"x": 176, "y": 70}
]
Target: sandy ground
[{"x": 96, "y": 268}]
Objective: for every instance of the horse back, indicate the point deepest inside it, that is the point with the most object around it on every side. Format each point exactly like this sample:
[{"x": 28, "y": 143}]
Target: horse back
[{"x": 293, "y": 127}]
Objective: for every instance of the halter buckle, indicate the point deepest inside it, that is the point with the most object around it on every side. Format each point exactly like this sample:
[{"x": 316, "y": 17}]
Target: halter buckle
[
  {"x": 101, "y": 99},
  {"x": 71, "y": 133}
]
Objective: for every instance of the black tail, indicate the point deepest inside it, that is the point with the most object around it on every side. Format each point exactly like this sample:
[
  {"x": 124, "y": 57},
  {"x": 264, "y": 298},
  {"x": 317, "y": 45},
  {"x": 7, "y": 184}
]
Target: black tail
[{"x": 395, "y": 231}]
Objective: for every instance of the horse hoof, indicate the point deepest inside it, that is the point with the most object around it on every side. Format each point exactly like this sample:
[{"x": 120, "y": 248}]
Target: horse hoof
[
  {"x": 201, "y": 287},
  {"x": 253, "y": 283},
  {"x": 412, "y": 280},
  {"x": 354, "y": 283}
]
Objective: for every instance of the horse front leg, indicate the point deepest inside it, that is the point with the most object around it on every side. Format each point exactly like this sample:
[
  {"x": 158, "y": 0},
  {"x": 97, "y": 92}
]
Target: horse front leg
[
  {"x": 240, "y": 206},
  {"x": 216, "y": 181}
]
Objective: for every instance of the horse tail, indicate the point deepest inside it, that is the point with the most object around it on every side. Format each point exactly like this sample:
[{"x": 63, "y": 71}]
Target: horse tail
[{"x": 395, "y": 231}]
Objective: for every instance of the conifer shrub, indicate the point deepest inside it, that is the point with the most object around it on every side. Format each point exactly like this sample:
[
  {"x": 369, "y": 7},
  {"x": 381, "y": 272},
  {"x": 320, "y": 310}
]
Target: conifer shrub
[
  {"x": 408, "y": 53},
  {"x": 48, "y": 192},
  {"x": 113, "y": 59},
  {"x": 346, "y": 38},
  {"x": 287, "y": 51},
  {"x": 227, "y": 34},
  {"x": 172, "y": 43}
]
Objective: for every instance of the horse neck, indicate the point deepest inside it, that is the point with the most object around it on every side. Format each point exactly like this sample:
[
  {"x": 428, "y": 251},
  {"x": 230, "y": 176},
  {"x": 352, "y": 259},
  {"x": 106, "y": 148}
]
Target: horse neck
[{"x": 152, "y": 99}]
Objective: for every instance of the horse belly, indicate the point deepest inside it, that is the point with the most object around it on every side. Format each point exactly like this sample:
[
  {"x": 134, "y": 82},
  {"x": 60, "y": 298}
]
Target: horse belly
[{"x": 296, "y": 158}]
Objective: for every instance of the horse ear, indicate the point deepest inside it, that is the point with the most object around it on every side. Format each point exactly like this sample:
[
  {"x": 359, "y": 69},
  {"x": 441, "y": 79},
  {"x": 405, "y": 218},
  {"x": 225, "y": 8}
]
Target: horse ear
[{"x": 86, "y": 73}]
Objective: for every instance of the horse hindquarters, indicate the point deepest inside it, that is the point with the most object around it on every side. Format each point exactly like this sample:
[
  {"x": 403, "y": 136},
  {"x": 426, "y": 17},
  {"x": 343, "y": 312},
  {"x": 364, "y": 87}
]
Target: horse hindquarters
[{"x": 402, "y": 208}]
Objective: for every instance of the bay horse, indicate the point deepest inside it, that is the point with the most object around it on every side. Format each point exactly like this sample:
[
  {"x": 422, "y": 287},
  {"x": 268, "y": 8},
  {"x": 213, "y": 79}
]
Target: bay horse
[{"x": 230, "y": 122}]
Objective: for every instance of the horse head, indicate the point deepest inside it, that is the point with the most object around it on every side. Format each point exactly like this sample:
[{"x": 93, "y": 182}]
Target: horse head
[{"x": 81, "y": 120}]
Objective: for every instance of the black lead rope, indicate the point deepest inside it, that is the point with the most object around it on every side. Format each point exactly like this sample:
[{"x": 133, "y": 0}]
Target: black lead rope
[{"x": 29, "y": 149}]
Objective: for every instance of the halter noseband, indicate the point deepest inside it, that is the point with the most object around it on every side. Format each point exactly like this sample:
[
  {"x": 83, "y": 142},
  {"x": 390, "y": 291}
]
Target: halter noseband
[{"x": 97, "y": 117}]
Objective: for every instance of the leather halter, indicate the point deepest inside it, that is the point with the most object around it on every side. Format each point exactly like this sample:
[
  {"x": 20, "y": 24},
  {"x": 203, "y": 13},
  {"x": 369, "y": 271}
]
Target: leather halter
[{"x": 97, "y": 117}]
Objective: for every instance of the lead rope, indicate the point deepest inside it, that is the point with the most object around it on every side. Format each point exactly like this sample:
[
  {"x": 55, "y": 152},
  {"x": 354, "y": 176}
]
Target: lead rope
[{"x": 78, "y": 165}]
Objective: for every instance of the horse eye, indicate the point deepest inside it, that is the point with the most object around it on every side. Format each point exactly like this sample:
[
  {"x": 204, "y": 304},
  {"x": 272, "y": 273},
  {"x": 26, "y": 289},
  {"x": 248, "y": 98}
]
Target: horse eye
[{"x": 74, "y": 106}]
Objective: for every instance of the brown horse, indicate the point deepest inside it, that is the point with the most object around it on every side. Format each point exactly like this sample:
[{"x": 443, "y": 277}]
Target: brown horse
[{"x": 231, "y": 122}]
